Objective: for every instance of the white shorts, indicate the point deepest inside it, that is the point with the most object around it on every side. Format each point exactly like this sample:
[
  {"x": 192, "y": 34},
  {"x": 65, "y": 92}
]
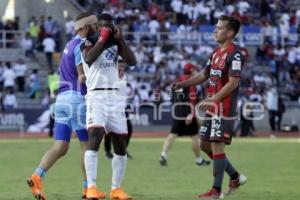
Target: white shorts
[{"x": 105, "y": 109}]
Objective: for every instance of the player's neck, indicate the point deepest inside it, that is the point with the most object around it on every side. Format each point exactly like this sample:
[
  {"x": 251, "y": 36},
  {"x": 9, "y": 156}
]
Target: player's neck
[{"x": 225, "y": 45}]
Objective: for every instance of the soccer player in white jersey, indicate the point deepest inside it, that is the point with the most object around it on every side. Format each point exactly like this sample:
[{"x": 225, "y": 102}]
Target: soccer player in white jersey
[{"x": 105, "y": 112}]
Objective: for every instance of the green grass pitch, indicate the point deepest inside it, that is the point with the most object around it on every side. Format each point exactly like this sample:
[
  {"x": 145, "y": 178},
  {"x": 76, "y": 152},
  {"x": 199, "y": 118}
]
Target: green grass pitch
[{"x": 271, "y": 165}]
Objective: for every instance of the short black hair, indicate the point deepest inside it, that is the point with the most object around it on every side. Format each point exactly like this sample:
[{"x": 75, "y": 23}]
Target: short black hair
[
  {"x": 106, "y": 17},
  {"x": 83, "y": 15},
  {"x": 233, "y": 23}
]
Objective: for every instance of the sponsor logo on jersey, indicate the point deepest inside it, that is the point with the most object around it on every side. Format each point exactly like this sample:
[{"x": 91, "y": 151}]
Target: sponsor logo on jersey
[
  {"x": 106, "y": 65},
  {"x": 236, "y": 65},
  {"x": 203, "y": 129},
  {"x": 215, "y": 72}
]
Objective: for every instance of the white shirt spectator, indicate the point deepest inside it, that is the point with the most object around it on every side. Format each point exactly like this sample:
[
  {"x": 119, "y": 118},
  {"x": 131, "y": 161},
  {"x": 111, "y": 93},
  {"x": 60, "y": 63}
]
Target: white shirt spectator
[
  {"x": 229, "y": 9},
  {"x": 258, "y": 78},
  {"x": 32, "y": 80},
  {"x": 154, "y": 26},
  {"x": 292, "y": 55},
  {"x": 177, "y": 6},
  {"x": 26, "y": 43},
  {"x": 297, "y": 17},
  {"x": 49, "y": 45},
  {"x": 218, "y": 13},
  {"x": 272, "y": 99},
  {"x": 298, "y": 53},
  {"x": 279, "y": 52},
  {"x": 191, "y": 10},
  {"x": 10, "y": 100},
  {"x": 284, "y": 28},
  {"x": 243, "y": 7},
  {"x": 144, "y": 94},
  {"x": 202, "y": 9},
  {"x": 9, "y": 77},
  {"x": 285, "y": 18},
  {"x": 70, "y": 27},
  {"x": 20, "y": 69}
]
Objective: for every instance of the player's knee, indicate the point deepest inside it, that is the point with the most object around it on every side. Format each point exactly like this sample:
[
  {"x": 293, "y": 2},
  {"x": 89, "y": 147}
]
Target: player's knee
[
  {"x": 61, "y": 149},
  {"x": 120, "y": 151},
  {"x": 205, "y": 147},
  {"x": 95, "y": 138},
  {"x": 119, "y": 144}
]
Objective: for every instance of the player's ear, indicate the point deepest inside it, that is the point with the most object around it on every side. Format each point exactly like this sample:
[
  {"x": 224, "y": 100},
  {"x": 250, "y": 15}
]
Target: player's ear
[{"x": 230, "y": 33}]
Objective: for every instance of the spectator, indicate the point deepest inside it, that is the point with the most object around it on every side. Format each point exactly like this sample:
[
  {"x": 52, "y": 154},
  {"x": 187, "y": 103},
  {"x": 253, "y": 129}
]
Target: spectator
[
  {"x": 53, "y": 82},
  {"x": 9, "y": 77},
  {"x": 34, "y": 30},
  {"x": 284, "y": 27},
  {"x": 42, "y": 34},
  {"x": 1, "y": 77},
  {"x": 49, "y": 47},
  {"x": 27, "y": 45},
  {"x": 70, "y": 28},
  {"x": 154, "y": 27},
  {"x": 34, "y": 84},
  {"x": 177, "y": 7},
  {"x": 272, "y": 106},
  {"x": 20, "y": 69},
  {"x": 9, "y": 100},
  {"x": 49, "y": 26}
]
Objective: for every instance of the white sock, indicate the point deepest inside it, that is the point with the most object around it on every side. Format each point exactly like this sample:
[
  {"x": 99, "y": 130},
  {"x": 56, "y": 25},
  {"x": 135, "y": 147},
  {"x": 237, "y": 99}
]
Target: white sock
[
  {"x": 91, "y": 164},
  {"x": 199, "y": 159},
  {"x": 118, "y": 170},
  {"x": 164, "y": 154}
]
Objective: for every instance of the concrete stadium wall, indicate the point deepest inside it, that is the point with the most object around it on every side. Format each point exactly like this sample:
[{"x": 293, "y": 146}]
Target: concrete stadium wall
[
  {"x": 291, "y": 116},
  {"x": 55, "y": 8}
]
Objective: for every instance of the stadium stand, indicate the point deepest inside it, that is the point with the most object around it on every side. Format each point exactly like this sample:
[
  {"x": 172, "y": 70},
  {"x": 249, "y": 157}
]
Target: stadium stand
[{"x": 165, "y": 35}]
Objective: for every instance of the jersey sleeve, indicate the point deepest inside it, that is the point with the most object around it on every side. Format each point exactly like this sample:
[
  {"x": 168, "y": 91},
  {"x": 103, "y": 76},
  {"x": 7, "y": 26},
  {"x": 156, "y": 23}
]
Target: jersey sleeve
[
  {"x": 208, "y": 63},
  {"x": 77, "y": 55},
  {"x": 235, "y": 63}
]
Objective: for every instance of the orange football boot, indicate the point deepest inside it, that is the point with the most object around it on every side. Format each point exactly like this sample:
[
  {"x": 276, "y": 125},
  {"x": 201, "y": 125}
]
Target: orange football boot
[
  {"x": 119, "y": 193},
  {"x": 36, "y": 185},
  {"x": 93, "y": 194}
]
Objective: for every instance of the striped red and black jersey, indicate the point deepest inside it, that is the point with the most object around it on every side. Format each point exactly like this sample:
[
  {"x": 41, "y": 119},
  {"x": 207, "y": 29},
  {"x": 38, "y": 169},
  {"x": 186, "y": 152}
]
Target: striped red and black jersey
[{"x": 223, "y": 64}]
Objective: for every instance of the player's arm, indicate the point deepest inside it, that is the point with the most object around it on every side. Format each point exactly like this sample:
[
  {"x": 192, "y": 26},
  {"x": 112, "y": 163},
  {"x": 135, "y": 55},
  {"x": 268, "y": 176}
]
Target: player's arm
[
  {"x": 89, "y": 52},
  {"x": 78, "y": 63},
  {"x": 124, "y": 50},
  {"x": 81, "y": 75},
  {"x": 232, "y": 84},
  {"x": 195, "y": 80}
]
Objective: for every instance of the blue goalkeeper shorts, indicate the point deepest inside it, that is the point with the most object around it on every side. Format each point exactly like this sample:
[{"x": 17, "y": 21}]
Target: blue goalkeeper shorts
[{"x": 70, "y": 115}]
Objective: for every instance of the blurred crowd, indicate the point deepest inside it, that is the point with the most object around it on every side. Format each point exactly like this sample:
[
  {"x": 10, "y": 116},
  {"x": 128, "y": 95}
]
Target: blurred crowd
[{"x": 159, "y": 64}]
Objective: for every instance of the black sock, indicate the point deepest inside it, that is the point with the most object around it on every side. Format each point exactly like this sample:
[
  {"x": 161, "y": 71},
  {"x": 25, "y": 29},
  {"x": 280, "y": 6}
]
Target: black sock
[
  {"x": 219, "y": 165},
  {"x": 231, "y": 171}
]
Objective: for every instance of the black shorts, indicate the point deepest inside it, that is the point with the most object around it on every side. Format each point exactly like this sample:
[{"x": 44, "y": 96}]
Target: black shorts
[
  {"x": 217, "y": 129},
  {"x": 181, "y": 129}
]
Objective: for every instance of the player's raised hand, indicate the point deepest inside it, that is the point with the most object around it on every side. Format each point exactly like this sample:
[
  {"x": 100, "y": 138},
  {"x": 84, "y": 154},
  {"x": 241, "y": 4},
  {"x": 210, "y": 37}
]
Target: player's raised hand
[
  {"x": 118, "y": 35},
  {"x": 104, "y": 33}
]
